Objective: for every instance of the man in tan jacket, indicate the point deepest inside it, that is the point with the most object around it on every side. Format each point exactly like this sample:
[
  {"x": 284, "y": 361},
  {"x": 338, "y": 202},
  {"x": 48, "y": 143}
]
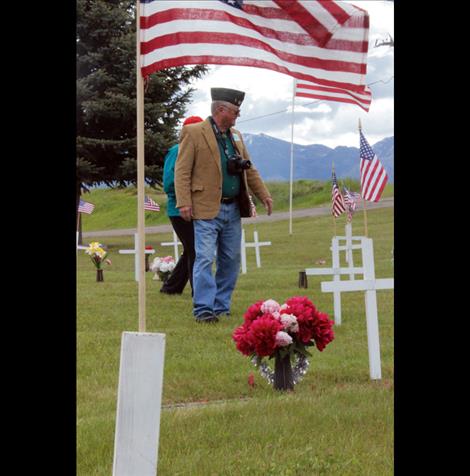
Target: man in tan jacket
[{"x": 213, "y": 173}]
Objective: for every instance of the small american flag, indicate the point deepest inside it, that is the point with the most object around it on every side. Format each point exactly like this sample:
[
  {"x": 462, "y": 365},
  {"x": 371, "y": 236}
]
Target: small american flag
[
  {"x": 350, "y": 200},
  {"x": 373, "y": 175},
  {"x": 149, "y": 204},
  {"x": 85, "y": 207},
  {"x": 338, "y": 201}
]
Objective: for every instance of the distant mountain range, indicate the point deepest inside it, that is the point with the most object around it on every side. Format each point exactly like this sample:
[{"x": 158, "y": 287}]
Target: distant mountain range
[{"x": 272, "y": 158}]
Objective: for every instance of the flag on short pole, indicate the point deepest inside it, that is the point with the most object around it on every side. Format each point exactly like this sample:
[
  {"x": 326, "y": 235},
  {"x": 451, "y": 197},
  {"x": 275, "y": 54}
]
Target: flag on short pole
[
  {"x": 373, "y": 174},
  {"x": 85, "y": 207},
  {"x": 150, "y": 205},
  {"x": 350, "y": 201},
  {"x": 314, "y": 91},
  {"x": 338, "y": 201},
  {"x": 318, "y": 41}
]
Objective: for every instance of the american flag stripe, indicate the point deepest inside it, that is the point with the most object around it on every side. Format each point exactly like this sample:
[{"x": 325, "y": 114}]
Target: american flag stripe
[
  {"x": 262, "y": 35},
  {"x": 320, "y": 19},
  {"x": 373, "y": 174},
  {"x": 315, "y": 91},
  {"x": 151, "y": 205},
  {"x": 85, "y": 207},
  {"x": 338, "y": 205}
]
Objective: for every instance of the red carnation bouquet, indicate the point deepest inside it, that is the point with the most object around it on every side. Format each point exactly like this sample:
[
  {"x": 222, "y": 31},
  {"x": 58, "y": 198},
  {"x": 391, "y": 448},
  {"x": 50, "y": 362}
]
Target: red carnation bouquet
[{"x": 273, "y": 330}]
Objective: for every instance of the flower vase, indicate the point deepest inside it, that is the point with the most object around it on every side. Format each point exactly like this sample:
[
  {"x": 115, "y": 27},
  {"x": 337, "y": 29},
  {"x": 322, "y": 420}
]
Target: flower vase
[
  {"x": 283, "y": 377},
  {"x": 99, "y": 275}
]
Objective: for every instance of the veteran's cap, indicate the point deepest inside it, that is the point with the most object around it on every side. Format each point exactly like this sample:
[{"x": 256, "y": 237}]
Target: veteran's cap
[{"x": 230, "y": 95}]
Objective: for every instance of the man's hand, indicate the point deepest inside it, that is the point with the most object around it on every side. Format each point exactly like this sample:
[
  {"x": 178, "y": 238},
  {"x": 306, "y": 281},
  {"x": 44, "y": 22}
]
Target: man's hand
[
  {"x": 186, "y": 213},
  {"x": 268, "y": 204}
]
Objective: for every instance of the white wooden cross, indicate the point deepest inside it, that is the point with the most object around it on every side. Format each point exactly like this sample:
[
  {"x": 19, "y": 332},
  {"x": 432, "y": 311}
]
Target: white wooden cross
[
  {"x": 369, "y": 285},
  {"x": 173, "y": 243},
  {"x": 349, "y": 246},
  {"x": 136, "y": 255},
  {"x": 256, "y": 244},
  {"x": 336, "y": 271}
]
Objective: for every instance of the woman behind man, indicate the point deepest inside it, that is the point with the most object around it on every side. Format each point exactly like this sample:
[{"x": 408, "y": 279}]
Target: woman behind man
[{"x": 183, "y": 271}]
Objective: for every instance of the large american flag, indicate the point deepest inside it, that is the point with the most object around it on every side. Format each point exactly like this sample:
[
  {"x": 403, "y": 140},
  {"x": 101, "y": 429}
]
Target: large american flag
[
  {"x": 85, "y": 207},
  {"x": 350, "y": 200},
  {"x": 310, "y": 90},
  {"x": 150, "y": 205},
  {"x": 338, "y": 206},
  {"x": 373, "y": 174},
  {"x": 324, "y": 42}
]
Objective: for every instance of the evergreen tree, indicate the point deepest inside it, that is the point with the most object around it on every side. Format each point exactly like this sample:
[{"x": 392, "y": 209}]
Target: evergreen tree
[{"x": 106, "y": 99}]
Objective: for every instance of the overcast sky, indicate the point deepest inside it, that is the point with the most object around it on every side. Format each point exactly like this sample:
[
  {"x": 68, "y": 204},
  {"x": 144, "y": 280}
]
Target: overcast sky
[{"x": 316, "y": 122}]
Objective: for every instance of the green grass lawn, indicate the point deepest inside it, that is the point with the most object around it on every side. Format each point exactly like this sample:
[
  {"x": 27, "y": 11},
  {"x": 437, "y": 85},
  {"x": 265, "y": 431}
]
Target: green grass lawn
[{"x": 336, "y": 422}]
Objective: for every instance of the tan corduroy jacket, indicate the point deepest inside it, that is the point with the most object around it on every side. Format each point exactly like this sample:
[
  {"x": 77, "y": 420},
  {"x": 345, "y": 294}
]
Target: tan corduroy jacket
[{"x": 198, "y": 171}]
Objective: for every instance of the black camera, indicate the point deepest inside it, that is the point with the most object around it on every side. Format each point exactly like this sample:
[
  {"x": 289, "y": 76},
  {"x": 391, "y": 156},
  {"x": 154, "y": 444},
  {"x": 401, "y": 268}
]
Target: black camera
[{"x": 236, "y": 165}]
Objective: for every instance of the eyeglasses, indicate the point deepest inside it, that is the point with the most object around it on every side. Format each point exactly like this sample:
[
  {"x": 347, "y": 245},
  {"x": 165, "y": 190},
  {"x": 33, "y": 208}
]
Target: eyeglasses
[{"x": 233, "y": 111}]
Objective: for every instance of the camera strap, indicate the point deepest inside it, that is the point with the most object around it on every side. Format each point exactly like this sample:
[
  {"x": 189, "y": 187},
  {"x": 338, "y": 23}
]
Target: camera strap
[{"x": 221, "y": 140}]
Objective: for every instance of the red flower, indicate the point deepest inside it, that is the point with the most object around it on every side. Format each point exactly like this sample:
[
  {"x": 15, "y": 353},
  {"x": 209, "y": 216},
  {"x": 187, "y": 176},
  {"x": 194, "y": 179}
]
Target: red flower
[
  {"x": 243, "y": 339},
  {"x": 148, "y": 247},
  {"x": 323, "y": 333},
  {"x": 305, "y": 311},
  {"x": 263, "y": 331},
  {"x": 253, "y": 312},
  {"x": 257, "y": 335}
]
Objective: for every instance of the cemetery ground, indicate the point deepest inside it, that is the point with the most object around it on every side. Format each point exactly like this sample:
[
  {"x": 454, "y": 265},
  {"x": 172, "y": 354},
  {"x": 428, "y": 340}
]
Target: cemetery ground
[{"x": 336, "y": 422}]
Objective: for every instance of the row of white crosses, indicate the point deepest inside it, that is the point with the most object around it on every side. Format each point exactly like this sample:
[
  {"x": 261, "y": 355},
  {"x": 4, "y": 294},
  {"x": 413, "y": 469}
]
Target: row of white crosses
[
  {"x": 369, "y": 284},
  {"x": 244, "y": 245}
]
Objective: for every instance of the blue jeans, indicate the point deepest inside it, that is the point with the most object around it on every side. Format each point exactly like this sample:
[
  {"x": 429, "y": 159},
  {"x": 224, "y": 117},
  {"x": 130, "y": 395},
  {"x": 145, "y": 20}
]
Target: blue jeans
[{"x": 222, "y": 233}]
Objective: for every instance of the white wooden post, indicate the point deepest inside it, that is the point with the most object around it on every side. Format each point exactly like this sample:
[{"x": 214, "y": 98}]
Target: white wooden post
[
  {"x": 139, "y": 404},
  {"x": 173, "y": 243},
  {"x": 243, "y": 252},
  {"x": 372, "y": 319},
  {"x": 336, "y": 278},
  {"x": 136, "y": 255},
  {"x": 370, "y": 285}
]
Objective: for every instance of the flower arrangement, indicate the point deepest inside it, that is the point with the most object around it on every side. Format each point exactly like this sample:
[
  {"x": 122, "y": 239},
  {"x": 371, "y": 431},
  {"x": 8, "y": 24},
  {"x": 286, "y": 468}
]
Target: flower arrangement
[
  {"x": 283, "y": 331},
  {"x": 98, "y": 256},
  {"x": 162, "y": 267}
]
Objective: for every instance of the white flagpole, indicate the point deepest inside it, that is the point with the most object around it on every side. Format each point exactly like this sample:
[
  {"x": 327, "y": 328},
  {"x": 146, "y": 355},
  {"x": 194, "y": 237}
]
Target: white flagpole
[
  {"x": 294, "y": 85},
  {"x": 140, "y": 177},
  {"x": 363, "y": 201}
]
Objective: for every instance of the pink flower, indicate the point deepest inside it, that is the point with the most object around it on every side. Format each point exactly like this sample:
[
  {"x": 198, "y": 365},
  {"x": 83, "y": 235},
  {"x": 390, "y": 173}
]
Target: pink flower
[
  {"x": 270, "y": 306},
  {"x": 283, "y": 339},
  {"x": 289, "y": 321}
]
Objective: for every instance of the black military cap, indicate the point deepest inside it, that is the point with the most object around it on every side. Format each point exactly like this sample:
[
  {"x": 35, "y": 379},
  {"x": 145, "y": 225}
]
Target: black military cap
[{"x": 230, "y": 95}]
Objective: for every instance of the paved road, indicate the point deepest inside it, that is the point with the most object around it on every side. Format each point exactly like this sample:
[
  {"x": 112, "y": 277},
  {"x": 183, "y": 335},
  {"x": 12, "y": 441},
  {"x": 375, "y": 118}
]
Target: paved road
[{"x": 276, "y": 216}]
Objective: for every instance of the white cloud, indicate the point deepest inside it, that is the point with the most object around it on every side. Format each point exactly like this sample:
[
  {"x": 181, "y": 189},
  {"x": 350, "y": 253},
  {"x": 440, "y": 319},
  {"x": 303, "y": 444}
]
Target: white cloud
[{"x": 268, "y": 96}]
